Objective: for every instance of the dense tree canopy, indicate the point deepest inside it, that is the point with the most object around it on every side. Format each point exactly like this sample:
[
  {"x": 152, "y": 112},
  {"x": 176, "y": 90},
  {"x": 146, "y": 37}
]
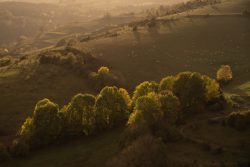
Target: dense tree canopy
[
  {"x": 78, "y": 115},
  {"x": 224, "y": 74},
  {"x": 154, "y": 107},
  {"x": 190, "y": 88},
  {"x": 103, "y": 70},
  {"x": 167, "y": 83},
  {"x": 111, "y": 108},
  {"x": 44, "y": 126},
  {"x": 145, "y": 88},
  {"x": 147, "y": 109}
]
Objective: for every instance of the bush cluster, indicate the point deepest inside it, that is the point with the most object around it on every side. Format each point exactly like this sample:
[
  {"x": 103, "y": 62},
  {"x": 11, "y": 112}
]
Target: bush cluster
[
  {"x": 103, "y": 70},
  {"x": 85, "y": 114},
  {"x": 173, "y": 97},
  {"x": 224, "y": 74},
  {"x": 157, "y": 109},
  {"x": 80, "y": 62}
]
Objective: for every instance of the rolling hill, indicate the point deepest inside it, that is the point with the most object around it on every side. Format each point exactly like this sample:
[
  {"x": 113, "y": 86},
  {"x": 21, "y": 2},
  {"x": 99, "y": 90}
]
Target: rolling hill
[{"x": 198, "y": 40}]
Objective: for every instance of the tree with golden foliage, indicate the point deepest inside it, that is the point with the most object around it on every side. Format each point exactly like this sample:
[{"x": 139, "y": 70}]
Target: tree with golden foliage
[
  {"x": 224, "y": 74},
  {"x": 111, "y": 108},
  {"x": 78, "y": 115},
  {"x": 44, "y": 126},
  {"x": 103, "y": 70}
]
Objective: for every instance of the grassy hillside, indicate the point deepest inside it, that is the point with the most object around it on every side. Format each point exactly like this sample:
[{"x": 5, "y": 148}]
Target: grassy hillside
[
  {"x": 183, "y": 43},
  {"x": 197, "y": 40}
]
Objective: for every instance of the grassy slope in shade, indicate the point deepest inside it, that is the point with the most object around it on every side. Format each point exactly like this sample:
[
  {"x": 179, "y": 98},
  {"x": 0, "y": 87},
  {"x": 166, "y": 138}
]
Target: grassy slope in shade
[
  {"x": 92, "y": 152},
  {"x": 196, "y": 44}
]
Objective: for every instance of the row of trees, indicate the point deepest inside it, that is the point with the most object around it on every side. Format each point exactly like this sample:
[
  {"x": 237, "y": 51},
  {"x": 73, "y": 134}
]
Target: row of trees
[
  {"x": 153, "y": 104},
  {"x": 158, "y": 109},
  {"x": 84, "y": 115},
  {"x": 164, "y": 105}
]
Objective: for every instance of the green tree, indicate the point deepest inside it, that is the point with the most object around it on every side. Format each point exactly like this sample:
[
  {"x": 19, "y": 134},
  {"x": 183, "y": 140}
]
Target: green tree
[
  {"x": 144, "y": 89},
  {"x": 103, "y": 70},
  {"x": 212, "y": 89},
  {"x": 167, "y": 83},
  {"x": 111, "y": 108},
  {"x": 190, "y": 88},
  {"x": 44, "y": 126},
  {"x": 78, "y": 115},
  {"x": 147, "y": 109},
  {"x": 224, "y": 74}
]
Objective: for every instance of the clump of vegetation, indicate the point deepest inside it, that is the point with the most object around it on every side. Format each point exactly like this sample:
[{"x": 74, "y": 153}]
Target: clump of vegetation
[
  {"x": 112, "y": 107},
  {"x": 215, "y": 99},
  {"x": 144, "y": 89},
  {"x": 147, "y": 109},
  {"x": 103, "y": 70},
  {"x": 44, "y": 126},
  {"x": 81, "y": 63},
  {"x": 84, "y": 115},
  {"x": 224, "y": 74},
  {"x": 190, "y": 88},
  {"x": 239, "y": 120},
  {"x": 78, "y": 116},
  {"x": 103, "y": 77},
  {"x": 167, "y": 83},
  {"x": 157, "y": 111}
]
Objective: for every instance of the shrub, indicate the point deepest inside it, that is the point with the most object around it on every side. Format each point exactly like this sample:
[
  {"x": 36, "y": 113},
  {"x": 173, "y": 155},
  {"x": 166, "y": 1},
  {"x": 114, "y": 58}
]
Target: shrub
[
  {"x": 191, "y": 91},
  {"x": 214, "y": 96},
  {"x": 212, "y": 89},
  {"x": 167, "y": 83},
  {"x": 44, "y": 126},
  {"x": 103, "y": 70},
  {"x": 111, "y": 108},
  {"x": 144, "y": 89},
  {"x": 146, "y": 151},
  {"x": 79, "y": 116},
  {"x": 224, "y": 74},
  {"x": 4, "y": 154}
]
